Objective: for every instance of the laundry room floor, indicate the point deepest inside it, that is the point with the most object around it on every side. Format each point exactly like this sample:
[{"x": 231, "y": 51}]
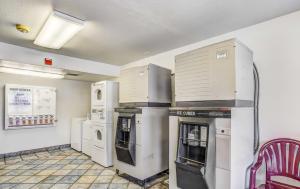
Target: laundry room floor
[{"x": 61, "y": 169}]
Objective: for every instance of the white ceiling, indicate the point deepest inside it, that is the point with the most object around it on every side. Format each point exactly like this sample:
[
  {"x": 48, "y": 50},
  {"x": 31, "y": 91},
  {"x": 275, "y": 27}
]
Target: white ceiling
[{"x": 118, "y": 31}]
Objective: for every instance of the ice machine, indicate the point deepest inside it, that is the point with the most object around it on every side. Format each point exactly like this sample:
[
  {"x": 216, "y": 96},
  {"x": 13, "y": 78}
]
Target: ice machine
[
  {"x": 205, "y": 147},
  {"x": 148, "y": 85},
  {"x": 220, "y": 74},
  {"x": 141, "y": 141},
  {"x": 214, "y": 93},
  {"x": 142, "y": 122}
]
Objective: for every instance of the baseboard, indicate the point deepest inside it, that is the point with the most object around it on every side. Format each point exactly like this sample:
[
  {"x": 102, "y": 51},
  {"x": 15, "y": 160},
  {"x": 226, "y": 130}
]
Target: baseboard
[{"x": 12, "y": 154}]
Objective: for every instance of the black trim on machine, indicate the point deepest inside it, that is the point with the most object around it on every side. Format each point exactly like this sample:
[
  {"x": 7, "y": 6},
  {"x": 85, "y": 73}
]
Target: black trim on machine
[
  {"x": 201, "y": 113},
  {"x": 216, "y": 103},
  {"x": 145, "y": 104}
]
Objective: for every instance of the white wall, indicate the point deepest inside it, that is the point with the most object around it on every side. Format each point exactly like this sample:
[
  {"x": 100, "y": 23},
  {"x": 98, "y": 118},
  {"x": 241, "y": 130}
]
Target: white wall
[
  {"x": 276, "y": 47},
  {"x": 31, "y": 56},
  {"x": 73, "y": 100}
]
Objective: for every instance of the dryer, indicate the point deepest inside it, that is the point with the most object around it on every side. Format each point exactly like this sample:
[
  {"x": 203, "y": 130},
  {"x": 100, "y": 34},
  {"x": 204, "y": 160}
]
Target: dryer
[{"x": 104, "y": 98}]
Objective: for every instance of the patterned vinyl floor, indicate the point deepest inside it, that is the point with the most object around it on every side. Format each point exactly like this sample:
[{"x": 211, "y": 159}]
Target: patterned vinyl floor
[{"x": 61, "y": 169}]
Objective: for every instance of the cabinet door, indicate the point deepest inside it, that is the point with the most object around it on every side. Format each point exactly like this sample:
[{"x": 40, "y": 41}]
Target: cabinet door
[{"x": 223, "y": 151}]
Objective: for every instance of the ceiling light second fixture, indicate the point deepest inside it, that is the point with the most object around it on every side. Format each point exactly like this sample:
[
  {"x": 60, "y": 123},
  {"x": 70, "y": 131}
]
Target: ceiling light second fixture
[
  {"x": 57, "y": 30},
  {"x": 30, "y": 70}
]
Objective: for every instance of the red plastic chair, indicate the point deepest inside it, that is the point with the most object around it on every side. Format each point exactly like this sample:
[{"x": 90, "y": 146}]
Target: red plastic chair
[{"x": 282, "y": 158}]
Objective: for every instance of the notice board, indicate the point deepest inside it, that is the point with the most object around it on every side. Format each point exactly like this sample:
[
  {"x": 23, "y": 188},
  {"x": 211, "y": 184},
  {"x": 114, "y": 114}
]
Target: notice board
[{"x": 29, "y": 106}]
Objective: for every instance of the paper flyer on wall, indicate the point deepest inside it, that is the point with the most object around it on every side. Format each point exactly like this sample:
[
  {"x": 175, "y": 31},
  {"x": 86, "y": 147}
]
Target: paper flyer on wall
[
  {"x": 20, "y": 101},
  {"x": 29, "y": 106}
]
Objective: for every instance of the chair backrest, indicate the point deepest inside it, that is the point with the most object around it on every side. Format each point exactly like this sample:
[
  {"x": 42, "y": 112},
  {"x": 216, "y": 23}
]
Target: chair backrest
[{"x": 282, "y": 158}]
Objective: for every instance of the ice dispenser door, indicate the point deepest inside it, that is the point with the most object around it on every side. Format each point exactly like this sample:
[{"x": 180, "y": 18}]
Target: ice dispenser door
[
  {"x": 193, "y": 143},
  {"x": 125, "y": 139},
  {"x": 191, "y": 155}
]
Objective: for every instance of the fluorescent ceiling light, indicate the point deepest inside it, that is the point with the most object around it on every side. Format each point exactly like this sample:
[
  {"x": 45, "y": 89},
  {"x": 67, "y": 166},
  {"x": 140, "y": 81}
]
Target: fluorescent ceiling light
[
  {"x": 58, "y": 29},
  {"x": 30, "y": 70}
]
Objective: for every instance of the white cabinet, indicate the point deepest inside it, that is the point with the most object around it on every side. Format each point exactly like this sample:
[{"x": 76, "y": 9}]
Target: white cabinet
[
  {"x": 87, "y": 130},
  {"x": 76, "y": 133}
]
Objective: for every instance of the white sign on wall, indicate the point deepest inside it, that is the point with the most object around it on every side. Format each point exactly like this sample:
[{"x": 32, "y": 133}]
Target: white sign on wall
[{"x": 29, "y": 106}]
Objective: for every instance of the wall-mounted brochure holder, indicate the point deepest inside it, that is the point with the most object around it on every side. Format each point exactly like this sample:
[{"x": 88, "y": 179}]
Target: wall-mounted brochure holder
[{"x": 29, "y": 106}]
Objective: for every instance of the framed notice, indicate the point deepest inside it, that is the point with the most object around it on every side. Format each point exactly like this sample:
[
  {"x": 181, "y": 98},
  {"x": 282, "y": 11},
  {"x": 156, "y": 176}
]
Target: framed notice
[{"x": 29, "y": 106}]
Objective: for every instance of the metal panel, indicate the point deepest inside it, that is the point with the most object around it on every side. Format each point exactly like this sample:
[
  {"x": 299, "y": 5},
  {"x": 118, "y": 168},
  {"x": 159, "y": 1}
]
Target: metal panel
[
  {"x": 149, "y": 83},
  {"x": 216, "y": 103},
  {"x": 159, "y": 84},
  {"x": 192, "y": 69},
  {"x": 134, "y": 85}
]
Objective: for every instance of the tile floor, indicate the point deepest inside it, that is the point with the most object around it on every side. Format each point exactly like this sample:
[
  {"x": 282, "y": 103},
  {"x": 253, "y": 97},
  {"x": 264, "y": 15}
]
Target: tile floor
[{"x": 61, "y": 169}]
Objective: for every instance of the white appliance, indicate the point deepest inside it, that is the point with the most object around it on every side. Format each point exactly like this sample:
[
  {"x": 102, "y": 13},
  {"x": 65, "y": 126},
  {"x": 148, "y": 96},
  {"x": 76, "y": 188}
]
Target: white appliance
[
  {"x": 141, "y": 122},
  {"x": 141, "y": 141},
  {"x": 222, "y": 72},
  {"x": 214, "y": 83},
  {"x": 148, "y": 84},
  {"x": 104, "y": 97},
  {"x": 76, "y": 133},
  {"x": 102, "y": 144},
  {"x": 223, "y": 151},
  {"x": 87, "y": 130},
  {"x": 228, "y": 152}
]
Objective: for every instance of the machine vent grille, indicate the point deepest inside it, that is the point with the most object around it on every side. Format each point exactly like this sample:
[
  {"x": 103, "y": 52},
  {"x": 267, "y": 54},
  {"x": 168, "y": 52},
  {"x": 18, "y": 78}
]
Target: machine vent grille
[
  {"x": 192, "y": 75},
  {"x": 133, "y": 85}
]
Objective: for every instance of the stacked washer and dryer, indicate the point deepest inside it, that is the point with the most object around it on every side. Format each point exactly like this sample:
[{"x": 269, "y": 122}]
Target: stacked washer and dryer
[
  {"x": 104, "y": 98},
  {"x": 141, "y": 122},
  {"x": 211, "y": 127}
]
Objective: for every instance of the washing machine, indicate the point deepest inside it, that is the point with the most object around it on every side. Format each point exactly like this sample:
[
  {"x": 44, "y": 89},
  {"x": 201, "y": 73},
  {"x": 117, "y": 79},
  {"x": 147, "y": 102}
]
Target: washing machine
[
  {"x": 102, "y": 144},
  {"x": 104, "y": 98}
]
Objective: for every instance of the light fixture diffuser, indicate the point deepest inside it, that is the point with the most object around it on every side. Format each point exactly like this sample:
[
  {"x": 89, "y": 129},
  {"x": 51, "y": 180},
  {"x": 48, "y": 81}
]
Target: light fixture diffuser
[
  {"x": 58, "y": 29},
  {"x": 30, "y": 70}
]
